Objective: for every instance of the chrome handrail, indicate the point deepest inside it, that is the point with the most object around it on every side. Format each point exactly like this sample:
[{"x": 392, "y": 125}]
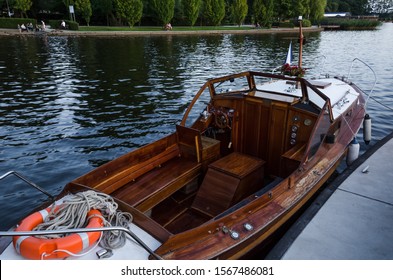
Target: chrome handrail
[
  {"x": 372, "y": 70},
  {"x": 79, "y": 230},
  {"x": 20, "y": 176}
]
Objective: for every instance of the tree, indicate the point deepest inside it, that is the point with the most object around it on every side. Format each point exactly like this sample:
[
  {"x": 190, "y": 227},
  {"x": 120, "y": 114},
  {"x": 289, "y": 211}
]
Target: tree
[
  {"x": 214, "y": 11},
  {"x": 191, "y": 10},
  {"x": 83, "y": 7},
  {"x": 283, "y": 9},
  {"x": 164, "y": 10},
  {"x": 300, "y": 7},
  {"x": 356, "y": 7},
  {"x": 55, "y": 6},
  {"x": 23, "y": 6},
  {"x": 317, "y": 9},
  {"x": 67, "y": 4},
  {"x": 263, "y": 12},
  {"x": 131, "y": 10},
  {"x": 239, "y": 10},
  {"x": 104, "y": 7}
]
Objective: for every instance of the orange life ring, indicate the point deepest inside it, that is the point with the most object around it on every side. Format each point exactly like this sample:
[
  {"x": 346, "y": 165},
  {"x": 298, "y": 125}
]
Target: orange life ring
[{"x": 37, "y": 248}]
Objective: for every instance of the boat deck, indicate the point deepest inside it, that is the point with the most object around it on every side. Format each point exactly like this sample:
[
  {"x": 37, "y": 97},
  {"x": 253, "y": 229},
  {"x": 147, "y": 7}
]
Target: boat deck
[{"x": 355, "y": 222}]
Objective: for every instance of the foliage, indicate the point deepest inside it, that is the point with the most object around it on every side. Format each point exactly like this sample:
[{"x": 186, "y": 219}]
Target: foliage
[
  {"x": 83, "y": 7},
  {"x": 12, "y": 23},
  {"x": 55, "y": 6},
  {"x": 292, "y": 70},
  {"x": 131, "y": 10},
  {"x": 214, "y": 11},
  {"x": 71, "y": 25},
  {"x": 351, "y": 24},
  {"x": 103, "y": 6},
  {"x": 23, "y": 6},
  {"x": 283, "y": 9},
  {"x": 263, "y": 12},
  {"x": 300, "y": 8},
  {"x": 191, "y": 10},
  {"x": 317, "y": 9},
  {"x": 68, "y": 3},
  {"x": 164, "y": 10},
  {"x": 286, "y": 24},
  {"x": 356, "y": 7},
  {"x": 239, "y": 10},
  {"x": 305, "y": 23}
]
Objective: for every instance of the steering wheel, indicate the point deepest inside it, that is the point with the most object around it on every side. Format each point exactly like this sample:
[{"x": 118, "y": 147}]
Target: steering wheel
[{"x": 221, "y": 119}]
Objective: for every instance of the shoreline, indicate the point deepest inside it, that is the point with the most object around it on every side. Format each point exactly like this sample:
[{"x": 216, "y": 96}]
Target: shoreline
[{"x": 55, "y": 32}]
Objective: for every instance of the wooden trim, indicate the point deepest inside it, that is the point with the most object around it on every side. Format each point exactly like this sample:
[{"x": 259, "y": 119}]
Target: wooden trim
[{"x": 133, "y": 172}]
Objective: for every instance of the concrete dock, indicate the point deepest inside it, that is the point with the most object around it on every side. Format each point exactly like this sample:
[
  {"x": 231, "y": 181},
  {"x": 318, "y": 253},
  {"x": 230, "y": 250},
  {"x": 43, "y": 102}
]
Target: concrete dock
[{"x": 352, "y": 219}]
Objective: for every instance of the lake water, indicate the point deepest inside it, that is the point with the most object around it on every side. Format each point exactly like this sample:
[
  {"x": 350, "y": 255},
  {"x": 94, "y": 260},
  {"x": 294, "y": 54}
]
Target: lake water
[{"x": 69, "y": 104}]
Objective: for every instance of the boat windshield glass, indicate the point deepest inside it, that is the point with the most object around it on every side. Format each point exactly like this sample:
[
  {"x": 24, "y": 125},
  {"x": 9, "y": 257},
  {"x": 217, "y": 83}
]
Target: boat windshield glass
[
  {"x": 315, "y": 98},
  {"x": 199, "y": 107},
  {"x": 231, "y": 85},
  {"x": 262, "y": 80},
  {"x": 320, "y": 130}
]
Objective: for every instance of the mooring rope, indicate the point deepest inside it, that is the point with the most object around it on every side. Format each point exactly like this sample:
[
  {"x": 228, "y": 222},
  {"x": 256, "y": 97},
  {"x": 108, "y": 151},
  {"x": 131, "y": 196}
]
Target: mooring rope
[{"x": 72, "y": 213}]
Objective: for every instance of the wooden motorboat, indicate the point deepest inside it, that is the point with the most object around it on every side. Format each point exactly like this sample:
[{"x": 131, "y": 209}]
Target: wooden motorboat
[
  {"x": 233, "y": 171},
  {"x": 219, "y": 187}
]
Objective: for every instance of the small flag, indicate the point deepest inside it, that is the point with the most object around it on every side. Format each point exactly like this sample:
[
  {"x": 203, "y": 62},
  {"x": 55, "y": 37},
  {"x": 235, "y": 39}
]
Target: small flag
[{"x": 288, "y": 60}]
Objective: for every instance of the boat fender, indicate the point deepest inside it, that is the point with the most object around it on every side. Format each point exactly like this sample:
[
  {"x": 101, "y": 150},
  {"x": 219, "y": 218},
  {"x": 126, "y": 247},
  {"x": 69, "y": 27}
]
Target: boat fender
[
  {"x": 353, "y": 151},
  {"x": 367, "y": 129},
  {"x": 40, "y": 248}
]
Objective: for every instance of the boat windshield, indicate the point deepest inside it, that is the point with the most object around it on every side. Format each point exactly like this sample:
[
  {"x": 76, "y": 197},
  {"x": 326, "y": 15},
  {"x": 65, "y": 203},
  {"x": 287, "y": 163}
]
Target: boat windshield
[
  {"x": 198, "y": 107},
  {"x": 319, "y": 133},
  {"x": 237, "y": 84}
]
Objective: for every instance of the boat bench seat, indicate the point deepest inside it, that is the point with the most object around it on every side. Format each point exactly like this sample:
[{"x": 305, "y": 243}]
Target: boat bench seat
[
  {"x": 145, "y": 177},
  {"x": 173, "y": 168},
  {"x": 154, "y": 186}
]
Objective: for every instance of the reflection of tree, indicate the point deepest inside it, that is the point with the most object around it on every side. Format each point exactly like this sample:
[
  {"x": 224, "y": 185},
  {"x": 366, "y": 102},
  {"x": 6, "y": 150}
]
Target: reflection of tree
[
  {"x": 22, "y": 85},
  {"x": 126, "y": 84}
]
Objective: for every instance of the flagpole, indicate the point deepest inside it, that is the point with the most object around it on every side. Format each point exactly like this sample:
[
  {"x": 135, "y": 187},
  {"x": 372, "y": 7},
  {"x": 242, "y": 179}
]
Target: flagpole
[{"x": 300, "y": 42}]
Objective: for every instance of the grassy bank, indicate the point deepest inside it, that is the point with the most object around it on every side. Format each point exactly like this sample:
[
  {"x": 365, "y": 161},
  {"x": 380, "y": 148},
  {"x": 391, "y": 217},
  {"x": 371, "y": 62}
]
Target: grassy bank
[
  {"x": 158, "y": 28},
  {"x": 351, "y": 24}
]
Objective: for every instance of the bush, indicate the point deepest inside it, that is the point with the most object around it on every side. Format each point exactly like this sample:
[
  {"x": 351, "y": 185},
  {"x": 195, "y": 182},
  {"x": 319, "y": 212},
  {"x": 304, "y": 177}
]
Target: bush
[
  {"x": 286, "y": 24},
  {"x": 351, "y": 24},
  {"x": 306, "y": 23},
  {"x": 12, "y": 23},
  {"x": 70, "y": 25}
]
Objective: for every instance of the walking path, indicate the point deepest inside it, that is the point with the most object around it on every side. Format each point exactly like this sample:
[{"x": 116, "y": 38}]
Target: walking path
[{"x": 356, "y": 222}]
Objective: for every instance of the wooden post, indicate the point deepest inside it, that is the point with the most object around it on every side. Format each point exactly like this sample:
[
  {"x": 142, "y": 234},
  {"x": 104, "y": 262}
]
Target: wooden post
[{"x": 300, "y": 41}]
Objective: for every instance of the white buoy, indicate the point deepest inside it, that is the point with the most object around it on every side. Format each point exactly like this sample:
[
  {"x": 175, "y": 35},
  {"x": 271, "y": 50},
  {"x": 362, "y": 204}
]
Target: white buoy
[
  {"x": 353, "y": 151},
  {"x": 367, "y": 129}
]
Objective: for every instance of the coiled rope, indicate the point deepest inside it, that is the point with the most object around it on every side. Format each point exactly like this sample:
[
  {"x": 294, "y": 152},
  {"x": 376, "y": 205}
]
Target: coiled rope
[{"x": 72, "y": 213}]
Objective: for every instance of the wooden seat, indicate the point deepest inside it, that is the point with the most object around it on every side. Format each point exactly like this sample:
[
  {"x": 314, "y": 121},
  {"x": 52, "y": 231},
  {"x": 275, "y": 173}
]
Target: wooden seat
[
  {"x": 145, "y": 177},
  {"x": 153, "y": 187},
  {"x": 190, "y": 143},
  {"x": 227, "y": 181}
]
